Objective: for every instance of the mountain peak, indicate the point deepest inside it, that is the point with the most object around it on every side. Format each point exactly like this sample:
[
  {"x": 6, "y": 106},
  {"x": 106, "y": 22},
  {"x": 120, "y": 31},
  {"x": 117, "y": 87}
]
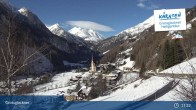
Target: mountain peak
[
  {"x": 57, "y": 30},
  {"x": 24, "y": 11},
  {"x": 55, "y": 26},
  {"x": 139, "y": 27},
  {"x": 86, "y": 34}
]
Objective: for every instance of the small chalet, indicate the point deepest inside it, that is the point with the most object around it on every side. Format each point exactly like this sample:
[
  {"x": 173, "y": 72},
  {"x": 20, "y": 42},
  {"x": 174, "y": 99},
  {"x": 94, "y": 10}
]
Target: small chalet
[{"x": 84, "y": 92}]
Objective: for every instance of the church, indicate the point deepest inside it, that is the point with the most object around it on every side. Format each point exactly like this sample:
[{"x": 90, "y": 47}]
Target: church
[{"x": 93, "y": 66}]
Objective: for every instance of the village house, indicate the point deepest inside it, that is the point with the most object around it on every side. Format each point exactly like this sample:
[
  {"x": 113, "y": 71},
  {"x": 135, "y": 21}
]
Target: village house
[{"x": 84, "y": 92}]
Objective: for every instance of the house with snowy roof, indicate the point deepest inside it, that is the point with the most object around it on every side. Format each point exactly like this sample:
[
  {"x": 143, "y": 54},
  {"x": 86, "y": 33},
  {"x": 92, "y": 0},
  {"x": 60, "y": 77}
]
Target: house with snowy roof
[{"x": 84, "y": 92}]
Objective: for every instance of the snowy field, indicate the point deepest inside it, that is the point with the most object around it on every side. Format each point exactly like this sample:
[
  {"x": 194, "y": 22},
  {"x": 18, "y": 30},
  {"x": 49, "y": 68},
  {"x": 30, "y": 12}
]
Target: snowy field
[
  {"x": 137, "y": 90},
  {"x": 142, "y": 88},
  {"x": 127, "y": 78},
  {"x": 186, "y": 67},
  {"x": 58, "y": 85}
]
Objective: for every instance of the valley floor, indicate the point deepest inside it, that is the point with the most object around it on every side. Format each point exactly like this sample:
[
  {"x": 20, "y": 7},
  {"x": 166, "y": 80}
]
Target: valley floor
[{"x": 140, "y": 89}]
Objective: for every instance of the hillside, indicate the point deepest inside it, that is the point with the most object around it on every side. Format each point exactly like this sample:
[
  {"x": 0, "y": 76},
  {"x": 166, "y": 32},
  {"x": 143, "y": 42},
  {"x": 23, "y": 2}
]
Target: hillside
[
  {"x": 148, "y": 46},
  {"x": 27, "y": 31}
]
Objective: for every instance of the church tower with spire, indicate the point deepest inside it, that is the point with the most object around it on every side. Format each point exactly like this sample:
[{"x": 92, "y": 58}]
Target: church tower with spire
[{"x": 93, "y": 66}]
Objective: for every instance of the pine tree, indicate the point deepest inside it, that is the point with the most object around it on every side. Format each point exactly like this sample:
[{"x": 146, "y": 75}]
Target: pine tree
[
  {"x": 178, "y": 51},
  {"x": 172, "y": 53},
  {"x": 142, "y": 71},
  {"x": 167, "y": 55}
]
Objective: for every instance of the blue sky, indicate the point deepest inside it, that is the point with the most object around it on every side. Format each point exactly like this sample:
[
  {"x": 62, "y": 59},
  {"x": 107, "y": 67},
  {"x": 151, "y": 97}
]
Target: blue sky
[{"x": 108, "y": 17}]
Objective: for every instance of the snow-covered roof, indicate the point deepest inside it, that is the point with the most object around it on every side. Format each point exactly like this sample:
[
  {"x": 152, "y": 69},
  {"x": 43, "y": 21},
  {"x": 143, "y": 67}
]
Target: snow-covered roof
[
  {"x": 72, "y": 87},
  {"x": 86, "y": 90},
  {"x": 112, "y": 75},
  {"x": 97, "y": 73},
  {"x": 111, "y": 78},
  {"x": 74, "y": 78},
  {"x": 129, "y": 63}
]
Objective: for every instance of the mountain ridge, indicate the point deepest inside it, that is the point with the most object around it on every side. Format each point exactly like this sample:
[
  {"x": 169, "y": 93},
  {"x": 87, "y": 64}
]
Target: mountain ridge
[
  {"x": 86, "y": 34},
  {"x": 59, "y": 31},
  {"x": 31, "y": 31}
]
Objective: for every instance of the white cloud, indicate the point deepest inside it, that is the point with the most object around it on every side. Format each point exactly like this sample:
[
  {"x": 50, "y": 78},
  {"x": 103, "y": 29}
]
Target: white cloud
[
  {"x": 90, "y": 25},
  {"x": 147, "y": 4},
  {"x": 141, "y": 5}
]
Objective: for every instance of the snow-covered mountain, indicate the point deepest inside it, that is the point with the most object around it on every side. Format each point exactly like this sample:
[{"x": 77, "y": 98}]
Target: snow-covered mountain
[
  {"x": 86, "y": 34},
  {"x": 139, "y": 27},
  {"x": 32, "y": 33},
  {"x": 59, "y": 31},
  {"x": 33, "y": 19},
  {"x": 133, "y": 33},
  {"x": 24, "y": 11}
]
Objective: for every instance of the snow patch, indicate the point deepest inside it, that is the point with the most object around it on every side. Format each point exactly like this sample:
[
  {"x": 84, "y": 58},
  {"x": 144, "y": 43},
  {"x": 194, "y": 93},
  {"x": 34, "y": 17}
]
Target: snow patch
[
  {"x": 194, "y": 19},
  {"x": 106, "y": 52},
  {"x": 188, "y": 26}
]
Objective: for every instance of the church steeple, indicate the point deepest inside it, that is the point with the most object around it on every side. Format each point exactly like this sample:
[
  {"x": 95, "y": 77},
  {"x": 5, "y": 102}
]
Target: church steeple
[{"x": 93, "y": 66}]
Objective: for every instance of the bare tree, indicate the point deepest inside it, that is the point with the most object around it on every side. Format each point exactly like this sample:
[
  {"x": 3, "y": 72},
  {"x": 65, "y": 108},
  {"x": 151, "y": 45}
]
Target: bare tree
[
  {"x": 186, "y": 89},
  {"x": 15, "y": 56}
]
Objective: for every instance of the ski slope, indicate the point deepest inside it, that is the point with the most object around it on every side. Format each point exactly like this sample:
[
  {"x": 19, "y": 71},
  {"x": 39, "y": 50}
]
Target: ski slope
[
  {"x": 137, "y": 90},
  {"x": 186, "y": 67}
]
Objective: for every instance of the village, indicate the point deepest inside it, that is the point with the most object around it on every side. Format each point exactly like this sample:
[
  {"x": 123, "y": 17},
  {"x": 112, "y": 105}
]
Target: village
[
  {"x": 97, "y": 81},
  {"x": 84, "y": 84}
]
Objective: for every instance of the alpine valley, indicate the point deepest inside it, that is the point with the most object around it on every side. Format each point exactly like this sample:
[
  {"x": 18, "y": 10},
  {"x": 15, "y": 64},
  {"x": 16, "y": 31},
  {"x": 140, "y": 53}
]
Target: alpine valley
[{"x": 80, "y": 64}]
